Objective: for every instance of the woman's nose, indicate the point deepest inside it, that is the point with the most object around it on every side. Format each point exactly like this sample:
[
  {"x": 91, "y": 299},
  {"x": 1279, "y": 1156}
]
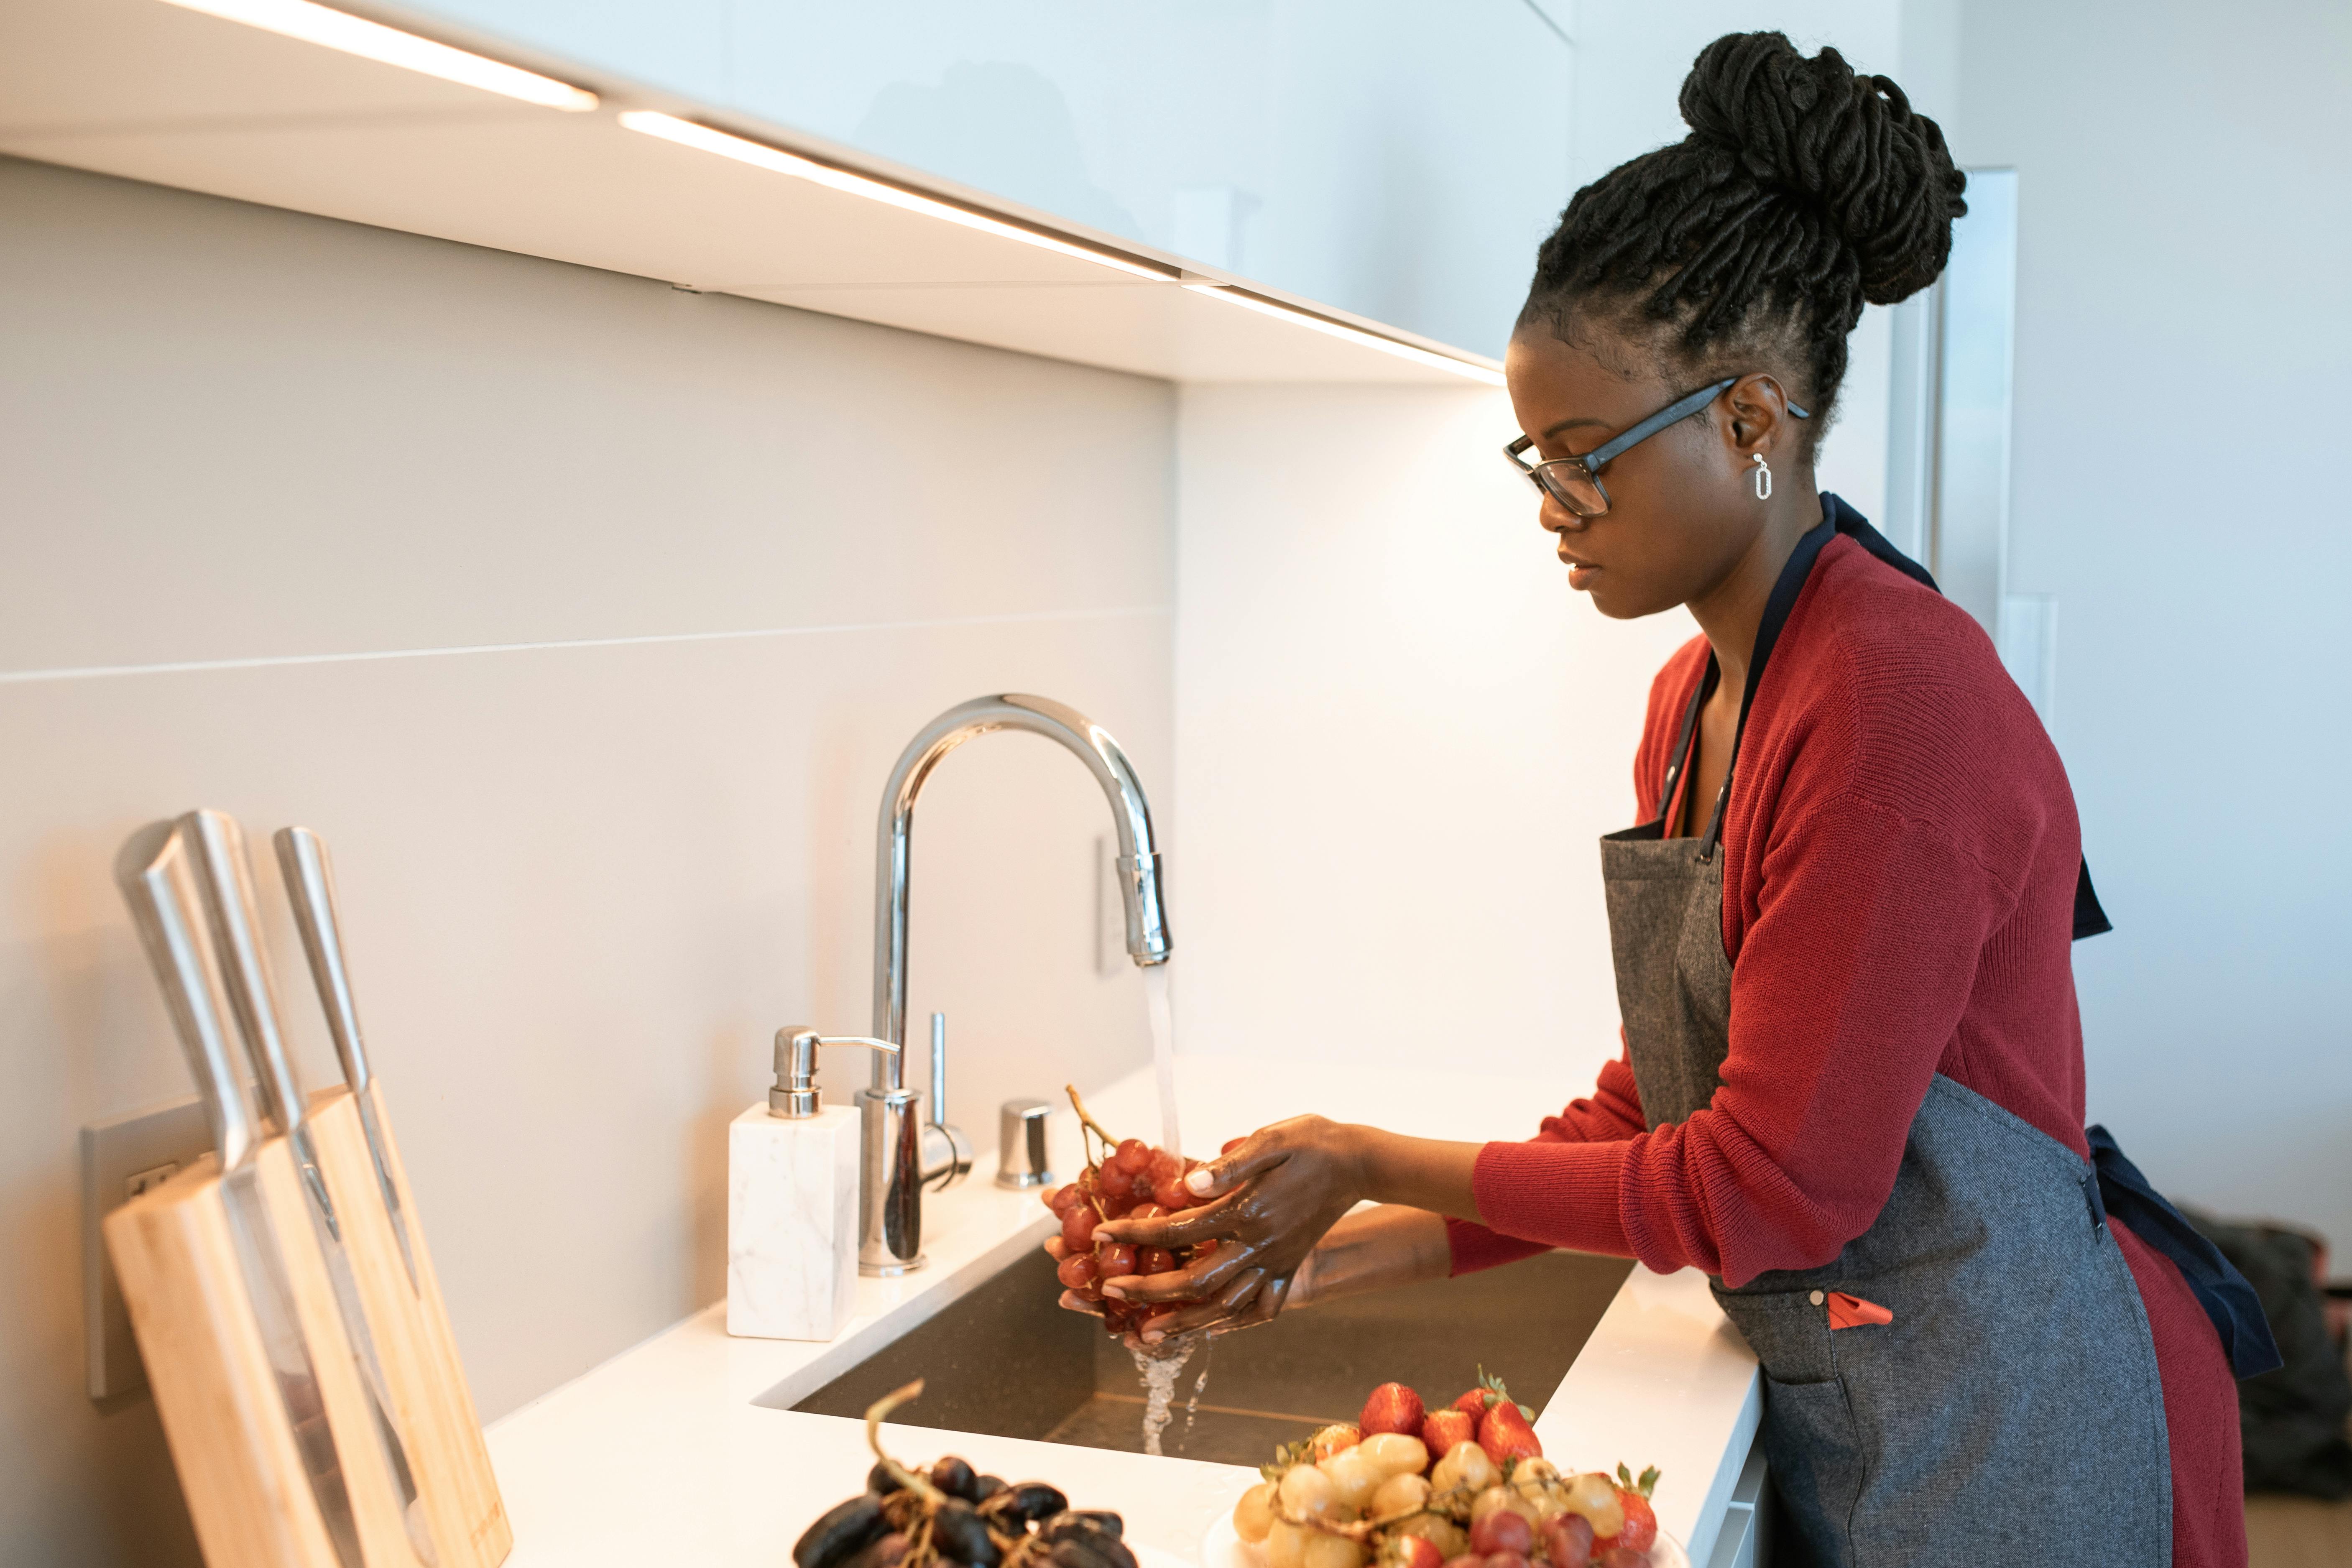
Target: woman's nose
[{"x": 1557, "y": 519}]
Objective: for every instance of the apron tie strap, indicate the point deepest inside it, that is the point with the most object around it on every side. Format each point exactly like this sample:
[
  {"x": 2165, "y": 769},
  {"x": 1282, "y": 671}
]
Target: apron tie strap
[{"x": 2219, "y": 1289}]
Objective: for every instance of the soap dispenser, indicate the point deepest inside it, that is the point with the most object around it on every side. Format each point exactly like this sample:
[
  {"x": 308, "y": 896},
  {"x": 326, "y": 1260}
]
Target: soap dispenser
[{"x": 792, "y": 1201}]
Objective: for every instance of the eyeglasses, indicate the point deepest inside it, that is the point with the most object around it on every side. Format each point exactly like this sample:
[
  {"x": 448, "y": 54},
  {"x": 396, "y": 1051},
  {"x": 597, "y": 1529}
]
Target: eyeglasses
[{"x": 1575, "y": 482}]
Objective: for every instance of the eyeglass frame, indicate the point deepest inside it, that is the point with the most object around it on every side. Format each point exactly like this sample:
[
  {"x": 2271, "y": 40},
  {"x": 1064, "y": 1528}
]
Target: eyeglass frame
[{"x": 1592, "y": 462}]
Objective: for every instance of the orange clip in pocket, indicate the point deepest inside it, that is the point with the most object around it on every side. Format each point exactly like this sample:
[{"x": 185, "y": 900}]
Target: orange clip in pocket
[{"x": 1851, "y": 1311}]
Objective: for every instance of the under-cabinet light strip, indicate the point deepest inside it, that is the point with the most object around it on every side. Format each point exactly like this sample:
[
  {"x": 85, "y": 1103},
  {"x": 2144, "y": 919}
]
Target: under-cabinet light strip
[
  {"x": 759, "y": 154},
  {"x": 1461, "y": 367},
  {"x": 373, "y": 40}
]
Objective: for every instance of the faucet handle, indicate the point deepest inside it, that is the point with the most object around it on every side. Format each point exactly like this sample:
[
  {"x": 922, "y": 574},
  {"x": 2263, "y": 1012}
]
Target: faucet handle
[
  {"x": 795, "y": 1096},
  {"x": 947, "y": 1152},
  {"x": 1022, "y": 1160}
]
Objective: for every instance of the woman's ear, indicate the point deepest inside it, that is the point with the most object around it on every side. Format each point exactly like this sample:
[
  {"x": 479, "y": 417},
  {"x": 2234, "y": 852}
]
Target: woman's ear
[{"x": 1759, "y": 414}]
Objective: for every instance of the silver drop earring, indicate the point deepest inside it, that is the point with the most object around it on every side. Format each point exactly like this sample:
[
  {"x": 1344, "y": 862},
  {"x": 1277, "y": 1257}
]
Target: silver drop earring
[{"x": 1763, "y": 472}]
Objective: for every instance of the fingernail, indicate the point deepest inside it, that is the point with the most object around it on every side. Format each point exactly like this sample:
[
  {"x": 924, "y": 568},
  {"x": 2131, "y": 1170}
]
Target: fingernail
[
  {"x": 1115, "y": 1293},
  {"x": 1201, "y": 1180},
  {"x": 1154, "y": 1336}
]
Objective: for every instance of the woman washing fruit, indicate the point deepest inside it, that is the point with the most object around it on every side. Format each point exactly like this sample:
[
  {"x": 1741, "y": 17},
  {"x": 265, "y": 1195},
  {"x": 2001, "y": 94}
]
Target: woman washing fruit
[{"x": 1852, "y": 1088}]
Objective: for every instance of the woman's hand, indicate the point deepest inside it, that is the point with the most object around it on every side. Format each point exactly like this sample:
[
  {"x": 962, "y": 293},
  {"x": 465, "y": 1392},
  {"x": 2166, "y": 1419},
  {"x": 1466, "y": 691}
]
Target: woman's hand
[
  {"x": 1277, "y": 1194},
  {"x": 1261, "y": 1307},
  {"x": 1275, "y": 1233},
  {"x": 1369, "y": 1249}
]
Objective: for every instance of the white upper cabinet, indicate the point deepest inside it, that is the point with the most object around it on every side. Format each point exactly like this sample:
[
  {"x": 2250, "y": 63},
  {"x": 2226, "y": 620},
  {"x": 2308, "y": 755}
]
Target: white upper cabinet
[{"x": 1394, "y": 159}]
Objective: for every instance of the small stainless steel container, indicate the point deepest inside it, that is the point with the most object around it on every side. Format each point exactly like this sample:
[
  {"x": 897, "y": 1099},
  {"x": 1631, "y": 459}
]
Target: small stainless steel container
[{"x": 1022, "y": 1160}]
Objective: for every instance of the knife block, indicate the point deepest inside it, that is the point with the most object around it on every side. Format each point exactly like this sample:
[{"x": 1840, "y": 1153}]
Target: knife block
[
  {"x": 223, "y": 1414},
  {"x": 419, "y": 1354}
]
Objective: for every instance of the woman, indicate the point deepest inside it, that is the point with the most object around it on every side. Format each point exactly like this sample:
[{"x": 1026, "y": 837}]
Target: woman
[{"x": 1851, "y": 1089}]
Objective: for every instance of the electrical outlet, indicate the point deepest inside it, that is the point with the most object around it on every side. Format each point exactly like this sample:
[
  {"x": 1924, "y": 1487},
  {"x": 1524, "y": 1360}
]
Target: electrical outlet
[
  {"x": 120, "y": 1159},
  {"x": 139, "y": 1182}
]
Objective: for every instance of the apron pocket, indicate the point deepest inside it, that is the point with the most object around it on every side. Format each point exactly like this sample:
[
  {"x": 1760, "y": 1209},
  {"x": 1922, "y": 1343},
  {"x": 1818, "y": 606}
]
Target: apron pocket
[
  {"x": 1815, "y": 1449},
  {"x": 1812, "y": 1440}
]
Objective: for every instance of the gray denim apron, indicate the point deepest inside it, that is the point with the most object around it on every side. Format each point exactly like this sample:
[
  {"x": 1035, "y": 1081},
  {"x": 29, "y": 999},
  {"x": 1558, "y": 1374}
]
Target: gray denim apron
[{"x": 2011, "y": 1412}]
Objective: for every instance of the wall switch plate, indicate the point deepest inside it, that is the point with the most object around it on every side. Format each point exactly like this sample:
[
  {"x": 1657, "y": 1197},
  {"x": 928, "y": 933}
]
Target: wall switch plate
[{"x": 122, "y": 1158}]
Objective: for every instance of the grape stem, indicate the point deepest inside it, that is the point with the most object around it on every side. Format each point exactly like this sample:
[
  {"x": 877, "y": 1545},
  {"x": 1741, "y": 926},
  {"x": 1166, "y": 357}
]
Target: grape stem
[
  {"x": 1363, "y": 1529},
  {"x": 1086, "y": 1123},
  {"x": 1086, "y": 1119},
  {"x": 920, "y": 1486}
]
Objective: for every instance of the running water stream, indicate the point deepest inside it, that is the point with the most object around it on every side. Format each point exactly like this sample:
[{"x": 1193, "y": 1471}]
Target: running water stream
[
  {"x": 1163, "y": 1053},
  {"x": 1161, "y": 1366}
]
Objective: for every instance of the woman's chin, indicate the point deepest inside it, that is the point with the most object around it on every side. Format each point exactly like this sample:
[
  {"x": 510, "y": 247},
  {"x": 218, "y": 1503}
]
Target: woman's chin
[{"x": 1614, "y": 601}]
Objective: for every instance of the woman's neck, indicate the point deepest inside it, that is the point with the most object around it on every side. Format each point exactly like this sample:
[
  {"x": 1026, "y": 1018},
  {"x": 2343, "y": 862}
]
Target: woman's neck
[{"x": 1732, "y": 612}]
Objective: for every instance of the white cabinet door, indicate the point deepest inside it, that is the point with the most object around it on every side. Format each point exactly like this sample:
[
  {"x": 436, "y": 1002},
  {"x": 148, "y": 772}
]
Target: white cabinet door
[{"x": 1388, "y": 157}]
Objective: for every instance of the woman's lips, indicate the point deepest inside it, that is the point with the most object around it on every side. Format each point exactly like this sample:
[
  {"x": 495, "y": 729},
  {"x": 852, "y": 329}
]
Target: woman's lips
[{"x": 1580, "y": 571}]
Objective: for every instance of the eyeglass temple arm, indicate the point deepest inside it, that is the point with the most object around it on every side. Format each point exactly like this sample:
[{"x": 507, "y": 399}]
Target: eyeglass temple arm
[{"x": 1682, "y": 408}]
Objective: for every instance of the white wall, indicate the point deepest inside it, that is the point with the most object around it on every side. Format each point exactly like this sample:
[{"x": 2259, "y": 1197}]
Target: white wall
[
  {"x": 2179, "y": 471},
  {"x": 1399, "y": 735},
  {"x": 584, "y": 617}
]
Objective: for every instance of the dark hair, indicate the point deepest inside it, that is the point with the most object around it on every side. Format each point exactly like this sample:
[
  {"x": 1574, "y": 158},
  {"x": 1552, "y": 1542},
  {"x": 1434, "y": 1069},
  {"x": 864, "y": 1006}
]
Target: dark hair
[{"x": 1802, "y": 192}]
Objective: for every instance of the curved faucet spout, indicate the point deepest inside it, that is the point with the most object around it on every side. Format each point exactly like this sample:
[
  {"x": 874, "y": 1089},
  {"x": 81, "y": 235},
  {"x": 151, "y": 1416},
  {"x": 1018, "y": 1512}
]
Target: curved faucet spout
[{"x": 1139, "y": 852}]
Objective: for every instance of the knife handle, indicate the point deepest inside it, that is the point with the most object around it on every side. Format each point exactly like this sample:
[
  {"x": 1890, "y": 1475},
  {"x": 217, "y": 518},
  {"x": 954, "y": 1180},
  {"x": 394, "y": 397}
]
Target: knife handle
[
  {"x": 158, "y": 880},
  {"x": 310, "y": 886},
  {"x": 227, "y": 883}
]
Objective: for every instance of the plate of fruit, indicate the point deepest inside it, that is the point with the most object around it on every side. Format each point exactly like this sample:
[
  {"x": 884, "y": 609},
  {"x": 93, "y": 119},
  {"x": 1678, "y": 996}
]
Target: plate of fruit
[
  {"x": 1465, "y": 1486},
  {"x": 946, "y": 1515}
]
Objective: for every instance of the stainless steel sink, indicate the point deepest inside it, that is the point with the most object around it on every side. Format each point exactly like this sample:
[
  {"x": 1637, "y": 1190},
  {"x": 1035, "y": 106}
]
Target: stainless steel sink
[{"x": 1006, "y": 1360}]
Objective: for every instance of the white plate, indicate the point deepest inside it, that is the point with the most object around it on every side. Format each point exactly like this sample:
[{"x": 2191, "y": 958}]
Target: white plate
[{"x": 1220, "y": 1548}]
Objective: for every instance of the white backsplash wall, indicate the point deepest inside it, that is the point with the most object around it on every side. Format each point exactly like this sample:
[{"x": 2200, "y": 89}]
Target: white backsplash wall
[{"x": 584, "y": 617}]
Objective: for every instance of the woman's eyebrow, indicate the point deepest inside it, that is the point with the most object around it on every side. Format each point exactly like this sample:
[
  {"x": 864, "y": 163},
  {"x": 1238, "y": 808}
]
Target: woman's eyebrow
[{"x": 1572, "y": 424}]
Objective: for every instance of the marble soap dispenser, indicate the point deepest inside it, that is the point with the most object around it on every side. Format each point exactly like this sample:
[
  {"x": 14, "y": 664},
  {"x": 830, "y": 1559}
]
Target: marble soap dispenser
[{"x": 792, "y": 1201}]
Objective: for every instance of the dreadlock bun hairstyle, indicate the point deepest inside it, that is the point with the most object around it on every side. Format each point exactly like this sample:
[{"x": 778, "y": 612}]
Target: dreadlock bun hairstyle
[{"x": 1802, "y": 193}]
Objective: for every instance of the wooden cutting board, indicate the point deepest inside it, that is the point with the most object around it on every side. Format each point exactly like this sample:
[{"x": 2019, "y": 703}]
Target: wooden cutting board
[
  {"x": 185, "y": 1286},
  {"x": 427, "y": 1383}
]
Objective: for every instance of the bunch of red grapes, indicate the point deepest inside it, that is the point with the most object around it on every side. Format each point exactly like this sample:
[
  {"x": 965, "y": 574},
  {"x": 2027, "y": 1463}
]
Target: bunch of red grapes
[{"x": 1132, "y": 1181}]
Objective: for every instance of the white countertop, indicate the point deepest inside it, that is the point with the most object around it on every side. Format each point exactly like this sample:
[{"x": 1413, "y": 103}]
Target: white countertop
[{"x": 660, "y": 1455}]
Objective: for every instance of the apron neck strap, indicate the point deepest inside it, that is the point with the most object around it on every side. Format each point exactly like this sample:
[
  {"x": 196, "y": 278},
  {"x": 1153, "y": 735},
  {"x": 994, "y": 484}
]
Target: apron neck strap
[
  {"x": 1677, "y": 759},
  {"x": 1785, "y": 590}
]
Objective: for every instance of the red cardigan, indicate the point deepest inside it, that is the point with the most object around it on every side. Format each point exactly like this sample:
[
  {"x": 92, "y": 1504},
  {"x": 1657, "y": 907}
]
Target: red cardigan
[{"x": 1900, "y": 853}]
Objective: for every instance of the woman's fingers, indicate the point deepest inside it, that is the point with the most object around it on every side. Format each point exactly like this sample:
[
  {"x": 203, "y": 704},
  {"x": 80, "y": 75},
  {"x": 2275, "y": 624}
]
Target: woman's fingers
[
  {"x": 1222, "y": 1175},
  {"x": 1235, "y": 1297},
  {"x": 1181, "y": 1229},
  {"x": 1263, "y": 1308},
  {"x": 1074, "y": 1303}
]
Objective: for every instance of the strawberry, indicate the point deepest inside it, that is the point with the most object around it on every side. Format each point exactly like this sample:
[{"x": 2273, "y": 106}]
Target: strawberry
[
  {"x": 1641, "y": 1527},
  {"x": 1442, "y": 1429},
  {"x": 1403, "y": 1550},
  {"x": 1393, "y": 1407},
  {"x": 1335, "y": 1439},
  {"x": 1506, "y": 1435},
  {"x": 1640, "y": 1523},
  {"x": 1485, "y": 1395}
]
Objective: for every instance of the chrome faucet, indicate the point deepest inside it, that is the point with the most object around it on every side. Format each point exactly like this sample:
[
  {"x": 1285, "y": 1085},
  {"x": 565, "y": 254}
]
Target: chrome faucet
[{"x": 902, "y": 1154}]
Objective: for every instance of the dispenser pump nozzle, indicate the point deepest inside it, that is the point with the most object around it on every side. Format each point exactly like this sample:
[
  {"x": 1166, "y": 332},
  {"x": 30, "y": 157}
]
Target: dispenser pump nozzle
[{"x": 795, "y": 1096}]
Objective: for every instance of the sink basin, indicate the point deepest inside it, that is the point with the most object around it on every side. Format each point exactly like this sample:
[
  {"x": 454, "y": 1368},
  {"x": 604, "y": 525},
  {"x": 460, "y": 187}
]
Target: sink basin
[{"x": 1006, "y": 1360}]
